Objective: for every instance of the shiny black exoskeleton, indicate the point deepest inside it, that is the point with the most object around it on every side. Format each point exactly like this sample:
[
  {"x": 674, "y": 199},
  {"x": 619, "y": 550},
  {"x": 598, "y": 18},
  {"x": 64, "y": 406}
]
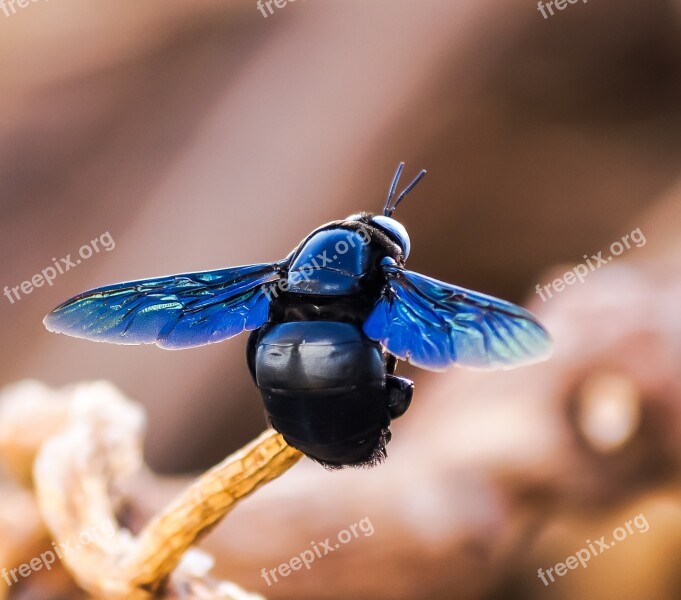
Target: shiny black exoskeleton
[{"x": 327, "y": 387}]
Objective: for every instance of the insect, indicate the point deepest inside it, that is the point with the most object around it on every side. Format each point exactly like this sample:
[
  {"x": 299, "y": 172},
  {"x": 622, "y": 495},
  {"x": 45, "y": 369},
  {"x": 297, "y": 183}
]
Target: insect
[{"x": 328, "y": 326}]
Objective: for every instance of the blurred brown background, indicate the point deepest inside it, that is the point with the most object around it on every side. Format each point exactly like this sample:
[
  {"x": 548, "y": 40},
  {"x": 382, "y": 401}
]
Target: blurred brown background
[{"x": 202, "y": 135}]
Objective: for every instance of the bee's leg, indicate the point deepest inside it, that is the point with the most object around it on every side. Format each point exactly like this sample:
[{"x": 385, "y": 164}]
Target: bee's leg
[
  {"x": 250, "y": 352},
  {"x": 400, "y": 391}
]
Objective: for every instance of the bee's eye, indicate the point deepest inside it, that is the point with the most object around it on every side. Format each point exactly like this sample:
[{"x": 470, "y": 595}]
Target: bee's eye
[{"x": 395, "y": 230}]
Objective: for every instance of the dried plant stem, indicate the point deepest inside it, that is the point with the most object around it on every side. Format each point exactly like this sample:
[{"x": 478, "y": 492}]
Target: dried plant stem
[
  {"x": 168, "y": 536},
  {"x": 78, "y": 470}
]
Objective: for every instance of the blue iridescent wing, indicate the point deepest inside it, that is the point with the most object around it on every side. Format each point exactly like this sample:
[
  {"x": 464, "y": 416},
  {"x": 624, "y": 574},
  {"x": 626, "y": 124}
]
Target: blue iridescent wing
[
  {"x": 434, "y": 324},
  {"x": 178, "y": 311}
]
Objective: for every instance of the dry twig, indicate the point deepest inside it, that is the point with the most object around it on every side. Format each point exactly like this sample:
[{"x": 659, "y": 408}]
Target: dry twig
[{"x": 89, "y": 440}]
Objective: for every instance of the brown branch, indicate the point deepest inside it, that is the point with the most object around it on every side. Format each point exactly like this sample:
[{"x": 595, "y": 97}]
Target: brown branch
[
  {"x": 205, "y": 503},
  {"x": 81, "y": 457}
]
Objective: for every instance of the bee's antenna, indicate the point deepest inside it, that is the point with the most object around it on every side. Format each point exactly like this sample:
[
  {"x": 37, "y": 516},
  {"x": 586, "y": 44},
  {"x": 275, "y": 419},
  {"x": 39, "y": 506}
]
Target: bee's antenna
[{"x": 387, "y": 211}]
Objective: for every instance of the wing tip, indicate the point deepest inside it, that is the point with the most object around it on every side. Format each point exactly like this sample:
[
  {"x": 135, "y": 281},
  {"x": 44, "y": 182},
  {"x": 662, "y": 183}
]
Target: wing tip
[{"x": 48, "y": 322}]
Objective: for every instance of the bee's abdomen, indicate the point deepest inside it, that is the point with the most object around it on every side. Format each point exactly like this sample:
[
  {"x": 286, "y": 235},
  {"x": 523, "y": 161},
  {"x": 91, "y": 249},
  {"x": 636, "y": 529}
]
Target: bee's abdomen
[{"x": 323, "y": 385}]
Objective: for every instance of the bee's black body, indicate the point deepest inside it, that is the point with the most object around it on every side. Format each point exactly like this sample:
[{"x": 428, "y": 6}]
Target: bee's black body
[{"x": 327, "y": 387}]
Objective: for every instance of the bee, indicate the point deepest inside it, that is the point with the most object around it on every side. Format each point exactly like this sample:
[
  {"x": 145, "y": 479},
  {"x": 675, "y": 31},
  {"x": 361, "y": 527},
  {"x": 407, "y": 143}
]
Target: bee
[{"x": 328, "y": 325}]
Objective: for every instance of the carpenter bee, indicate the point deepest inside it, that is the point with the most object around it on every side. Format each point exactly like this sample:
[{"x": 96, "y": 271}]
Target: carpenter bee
[{"x": 328, "y": 325}]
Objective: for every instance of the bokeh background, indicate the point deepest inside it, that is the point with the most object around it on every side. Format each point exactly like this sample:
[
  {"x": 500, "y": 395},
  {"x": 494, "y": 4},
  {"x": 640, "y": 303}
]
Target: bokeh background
[{"x": 202, "y": 135}]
